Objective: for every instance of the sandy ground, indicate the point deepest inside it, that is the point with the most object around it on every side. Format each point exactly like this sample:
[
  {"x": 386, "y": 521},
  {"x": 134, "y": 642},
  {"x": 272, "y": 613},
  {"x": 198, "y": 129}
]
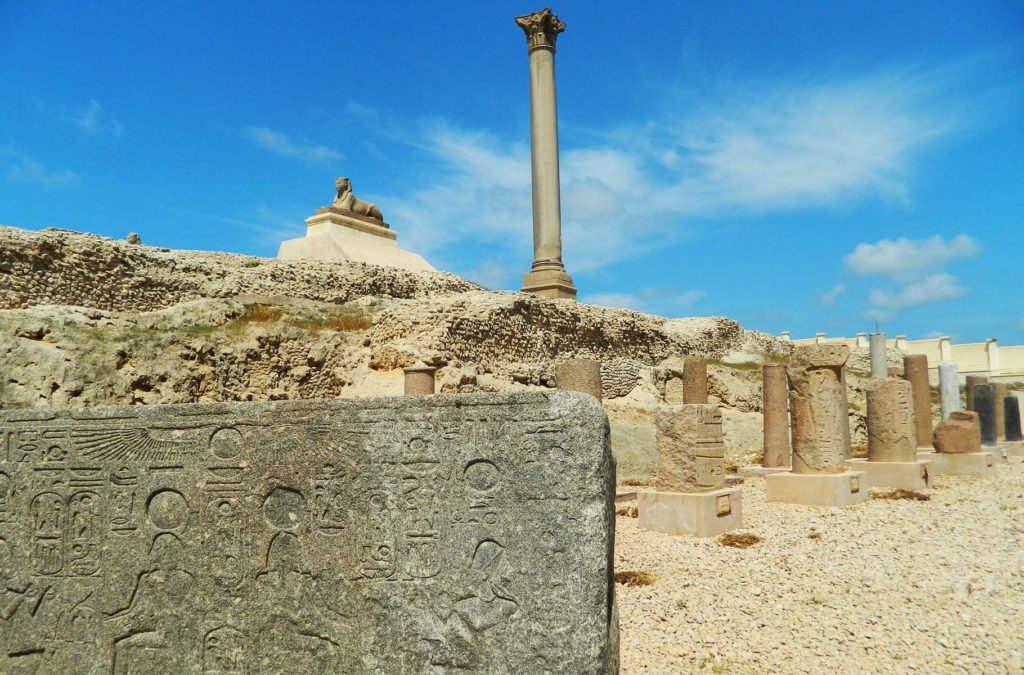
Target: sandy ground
[{"x": 883, "y": 587}]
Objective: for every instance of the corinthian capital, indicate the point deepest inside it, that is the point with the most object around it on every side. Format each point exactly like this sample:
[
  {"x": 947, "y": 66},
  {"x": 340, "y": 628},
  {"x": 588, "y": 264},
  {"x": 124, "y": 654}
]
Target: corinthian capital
[{"x": 541, "y": 28}]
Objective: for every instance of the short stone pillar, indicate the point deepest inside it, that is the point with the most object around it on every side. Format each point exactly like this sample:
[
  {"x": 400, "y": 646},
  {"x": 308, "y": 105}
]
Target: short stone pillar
[
  {"x": 689, "y": 494},
  {"x": 998, "y": 394},
  {"x": 547, "y": 276},
  {"x": 985, "y": 406},
  {"x": 695, "y": 381},
  {"x": 949, "y": 388},
  {"x": 775, "y": 416},
  {"x": 892, "y": 447},
  {"x": 419, "y": 380},
  {"x": 915, "y": 371},
  {"x": 583, "y": 375},
  {"x": 1011, "y": 413},
  {"x": 957, "y": 442},
  {"x": 820, "y": 438},
  {"x": 970, "y": 382},
  {"x": 877, "y": 352}
]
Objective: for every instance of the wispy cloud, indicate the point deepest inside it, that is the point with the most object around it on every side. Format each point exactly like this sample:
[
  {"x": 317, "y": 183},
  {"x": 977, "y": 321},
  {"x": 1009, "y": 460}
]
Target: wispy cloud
[
  {"x": 283, "y": 144},
  {"x": 760, "y": 150},
  {"x": 829, "y": 297},
  {"x": 647, "y": 299},
  {"x": 27, "y": 170},
  {"x": 94, "y": 119},
  {"x": 903, "y": 259},
  {"x": 884, "y": 304}
]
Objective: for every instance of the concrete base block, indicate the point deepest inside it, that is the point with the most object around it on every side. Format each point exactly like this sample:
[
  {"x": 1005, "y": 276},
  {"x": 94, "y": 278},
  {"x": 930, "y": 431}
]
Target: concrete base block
[
  {"x": 817, "y": 489},
  {"x": 896, "y": 475},
  {"x": 1014, "y": 448},
  {"x": 999, "y": 453},
  {"x": 701, "y": 514},
  {"x": 965, "y": 464},
  {"x": 760, "y": 470}
]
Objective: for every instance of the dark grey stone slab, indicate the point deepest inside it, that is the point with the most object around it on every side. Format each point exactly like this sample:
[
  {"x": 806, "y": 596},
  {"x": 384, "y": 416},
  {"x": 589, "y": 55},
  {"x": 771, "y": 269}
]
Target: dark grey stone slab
[
  {"x": 985, "y": 406},
  {"x": 424, "y": 534},
  {"x": 1011, "y": 406}
]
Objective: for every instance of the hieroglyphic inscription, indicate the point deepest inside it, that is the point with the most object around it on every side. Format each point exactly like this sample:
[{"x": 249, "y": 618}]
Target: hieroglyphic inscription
[
  {"x": 691, "y": 452},
  {"x": 818, "y": 408},
  {"x": 468, "y": 533}
]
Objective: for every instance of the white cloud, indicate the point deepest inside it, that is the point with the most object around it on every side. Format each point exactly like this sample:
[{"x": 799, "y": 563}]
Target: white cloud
[
  {"x": 95, "y": 120},
  {"x": 283, "y": 144},
  {"x": 829, "y": 297},
  {"x": 884, "y": 304},
  {"x": 28, "y": 170},
  {"x": 905, "y": 259},
  {"x": 647, "y": 299}
]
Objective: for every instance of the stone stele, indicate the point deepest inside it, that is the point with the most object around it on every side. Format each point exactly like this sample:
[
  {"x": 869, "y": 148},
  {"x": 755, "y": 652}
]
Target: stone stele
[
  {"x": 438, "y": 534},
  {"x": 959, "y": 433},
  {"x": 891, "y": 436},
  {"x": 818, "y": 409},
  {"x": 691, "y": 452}
]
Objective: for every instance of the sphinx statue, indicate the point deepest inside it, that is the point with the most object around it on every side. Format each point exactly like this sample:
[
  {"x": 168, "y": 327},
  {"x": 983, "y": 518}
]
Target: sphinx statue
[{"x": 349, "y": 202}]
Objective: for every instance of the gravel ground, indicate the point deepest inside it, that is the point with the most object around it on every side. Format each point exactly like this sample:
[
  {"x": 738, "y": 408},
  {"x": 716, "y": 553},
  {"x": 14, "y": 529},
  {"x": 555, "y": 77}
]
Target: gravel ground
[{"x": 884, "y": 587}]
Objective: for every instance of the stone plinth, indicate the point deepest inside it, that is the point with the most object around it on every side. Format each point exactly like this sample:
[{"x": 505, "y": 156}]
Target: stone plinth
[
  {"x": 949, "y": 388},
  {"x": 817, "y": 489},
  {"x": 915, "y": 371},
  {"x": 775, "y": 406},
  {"x": 551, "y": 283},
  {"x": 699, "y": 514},
  {"x": 959, "y": 433},
  {"x": 336, "y": 234},
  {"x": 911, "y": 475},
  {"x": 964, "y": 464},
  {"x": 419, "y": 380},
  {"x": 890, "y": 421},
  {"x": 582, "y": 375},
  {"x": 817, "y": 404},
  {"x": 691, "y": 453},
  {"x": 290, "y": 537},
  {"x": 695, "y": 381},
  {"x": 985, "y": 406},
  {"x": 878, "y": 356},
  {"x": 969, "y": 383}
]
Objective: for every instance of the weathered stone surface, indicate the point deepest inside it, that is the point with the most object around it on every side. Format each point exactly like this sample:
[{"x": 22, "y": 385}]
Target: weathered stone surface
[
  {"x": 691, "y": 454},
  {"x": 1011, "y": 413},
  {"x": 818, "y": 408},
  {"x": 695, "y": 381},
  {"x": 583, "y": 375},
  {"x": 949, "y": 388},
  {"x": 959, "y": 433},
  {"x": 419, "y": 380},
  {"x": 775, "y": 404},
  {"x": 969, "y": 383},
  {"x": 915, "y": 371},
  {"x": 891, "y": 422},
  {"x": 998, "y": 394},
  {"x": 442, "y": 534},
  {"x": 985, "y": 406}
]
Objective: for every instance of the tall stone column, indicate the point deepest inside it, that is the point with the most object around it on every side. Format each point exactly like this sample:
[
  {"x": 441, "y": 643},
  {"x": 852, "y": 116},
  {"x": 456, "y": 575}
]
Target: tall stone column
[
  {"x": 915, "y": 371},
  {"x": 949, "y": 388},
  {"x": 999, "y": 393},
  {"x": 879, "y": 360},
  {"x": 985, "y": 406},
  {"x": 547, "y": 276},
  {"x": 818, "y": 413},
  {"x": 775, "y": 407}
]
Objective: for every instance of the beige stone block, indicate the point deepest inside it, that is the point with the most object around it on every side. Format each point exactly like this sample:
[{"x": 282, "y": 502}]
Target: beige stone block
[
  {"x": 896, "y": 475},
  {"x": 549, "y": 283},
  {"x": 1015, "y": 448},
  {"x": 817, "y": 489},
  {"x": 699, "y": 514},
  {"x": 959, "y": 464}
]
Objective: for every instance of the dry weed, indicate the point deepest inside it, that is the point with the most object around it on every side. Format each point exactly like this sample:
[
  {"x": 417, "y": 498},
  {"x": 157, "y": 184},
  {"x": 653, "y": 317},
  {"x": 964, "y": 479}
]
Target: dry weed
[
  {"x": 739, "y": 539},
  {"x": 640, "y": 578}
]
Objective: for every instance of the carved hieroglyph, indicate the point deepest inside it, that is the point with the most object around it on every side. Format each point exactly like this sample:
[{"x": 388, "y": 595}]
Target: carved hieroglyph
[
  {"x": 891, "y": 435},
  {"x": 817, "y": 408},
  {"x": 691, "y": 453},
  {"x": 441, "y": 534}
]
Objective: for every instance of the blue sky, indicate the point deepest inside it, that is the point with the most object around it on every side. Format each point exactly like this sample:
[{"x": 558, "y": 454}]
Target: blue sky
[{"x": 799, "y": 166}]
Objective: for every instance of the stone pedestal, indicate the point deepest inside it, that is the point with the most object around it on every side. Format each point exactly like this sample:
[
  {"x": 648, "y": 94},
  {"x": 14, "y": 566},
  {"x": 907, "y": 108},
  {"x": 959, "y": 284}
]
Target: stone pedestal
[
  {"x": 547, "y": 276},
  {"x": 583, "y": 375},
  {"x": 818, "y": 489},
  {"x": 915, "y": 371},
  {"x": 949, "y": 388},
  {"x": 961, "y": 464},
  {"x": 336, "y": 234},
  {"x": 898, "y": 475},
  {"x": 1014, "y": 448},
  {"x": 699, "y": 514}
]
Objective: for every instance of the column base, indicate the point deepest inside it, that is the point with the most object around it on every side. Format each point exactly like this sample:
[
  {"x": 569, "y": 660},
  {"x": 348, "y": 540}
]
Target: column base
[
  {"x": 817, "y": 489},
  {"x": 896, "y": 475},
  {"x": 958, "y": 464},
  {"x": 700, "y": 514},
  {"x": 550, "y": 283},
  {"x": 756, "y": 470}
]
